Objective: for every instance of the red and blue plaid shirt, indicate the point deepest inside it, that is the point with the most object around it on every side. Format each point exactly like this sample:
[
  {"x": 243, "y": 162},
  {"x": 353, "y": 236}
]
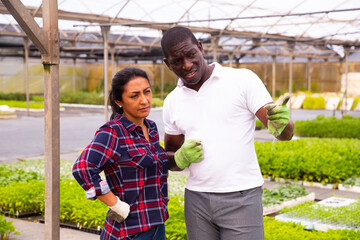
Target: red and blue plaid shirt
[{"x": 135, "y": 169}]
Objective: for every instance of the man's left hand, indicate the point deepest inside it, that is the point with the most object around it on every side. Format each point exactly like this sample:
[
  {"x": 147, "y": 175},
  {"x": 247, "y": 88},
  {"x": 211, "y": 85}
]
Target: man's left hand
[{"x": 278, "y": 115}]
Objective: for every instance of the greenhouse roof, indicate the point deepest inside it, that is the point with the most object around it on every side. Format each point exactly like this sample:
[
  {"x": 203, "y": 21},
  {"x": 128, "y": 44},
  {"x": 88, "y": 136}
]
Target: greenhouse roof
[{"x": 320, "y": 29}]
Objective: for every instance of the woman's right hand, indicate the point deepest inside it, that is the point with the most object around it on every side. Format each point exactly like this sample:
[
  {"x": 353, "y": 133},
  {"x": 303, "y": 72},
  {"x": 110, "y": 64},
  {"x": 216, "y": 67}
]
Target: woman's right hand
[{"x": 120, "y": 211}]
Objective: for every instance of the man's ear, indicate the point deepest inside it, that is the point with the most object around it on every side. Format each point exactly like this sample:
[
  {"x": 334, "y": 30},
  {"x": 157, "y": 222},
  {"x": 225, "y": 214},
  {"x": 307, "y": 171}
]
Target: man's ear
[{"x": 201, "y": 47}]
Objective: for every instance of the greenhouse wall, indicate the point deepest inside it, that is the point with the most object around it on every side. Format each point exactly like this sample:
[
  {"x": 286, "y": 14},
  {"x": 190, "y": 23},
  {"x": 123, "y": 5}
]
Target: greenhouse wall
[{"x": 325, "y": 76}]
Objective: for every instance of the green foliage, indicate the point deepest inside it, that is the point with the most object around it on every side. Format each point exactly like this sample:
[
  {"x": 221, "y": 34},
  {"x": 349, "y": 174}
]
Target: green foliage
[
  {"x": 75, "y": 208},
  {"x": 37, "y": 98},
  {"x": 82, "y": 97},
  {"x": 310, "y": 159},
  {"x": 275, "y": 230},
  {"x": 7, "y": 176},
  {"x": 13, "y": 96},
  {"x": 314, "y": 102},
  {"x": 345, "y": 216},
  {"x": 29, "y": 170},
  {"x": 175, "y": 225},
  {"x": 330, "y": 127},
  {"x": 21, "y": 104},
  {"x": 279, "y": 194},
  {"x": 18, "y": 100},
  {"x": 23, "y": 197},
  {"x": 157, "y": 102},
  {"x": 20, "y": 97},
  {"x": 6, "y": 229},
  {"x": 28, "y": 196},
  {"x": 352, "y": 181}
]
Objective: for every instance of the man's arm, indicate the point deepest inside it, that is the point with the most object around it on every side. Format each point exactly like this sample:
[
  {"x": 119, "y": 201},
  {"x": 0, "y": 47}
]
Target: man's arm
[
  {"x": 172, "y": 144},
  {"x": 288, "y": 131}
]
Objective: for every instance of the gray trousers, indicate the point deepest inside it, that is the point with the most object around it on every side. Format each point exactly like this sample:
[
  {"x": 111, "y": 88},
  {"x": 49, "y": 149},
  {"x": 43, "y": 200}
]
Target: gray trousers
[{"x": 225, "y": 216}]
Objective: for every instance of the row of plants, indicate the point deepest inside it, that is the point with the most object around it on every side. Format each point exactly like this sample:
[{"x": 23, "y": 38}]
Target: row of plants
[
  {"x": 25, "y": 185},
  {"x": 70, "y": 97},
  {"x": 22, "y": 104},
  {"x": 344, "y": 216},
  {"x": 75, "y": 208},
  {"x": 23, "y": 192},
  {"x": 318, "y": 102},
  {"x": 311, "y": 101},
  {"x": 325, "y": 127},
  {"x": 17, "y": 96},
  {"x": 329, "y": 127},
  {"x": 82, "y": 97},
  {"x": 79, "y": 97},
  {"x": 26, "y": 171},
  {"x": 325, "y": 160},
  {"x": 279, "y": 194},
  {"x": 352, "y": 181},
  {"x": 275, "y": 230}
]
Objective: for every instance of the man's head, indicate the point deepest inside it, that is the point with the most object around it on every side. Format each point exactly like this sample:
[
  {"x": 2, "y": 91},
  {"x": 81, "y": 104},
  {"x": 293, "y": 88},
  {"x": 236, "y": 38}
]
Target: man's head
[
  {"x": 184, "y": 56},
  {"x": 174, "y": 36}
]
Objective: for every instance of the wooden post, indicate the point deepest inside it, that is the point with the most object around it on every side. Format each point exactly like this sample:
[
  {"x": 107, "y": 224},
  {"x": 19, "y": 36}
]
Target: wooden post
[
  {"x": 214, "y": 44},
  {"x": 347, "y": 50},
  {"x": 27, "y": 43},
  {"x": 74, "y": 75},
  {"x": 52, "y": 121},
  {"x": 231, "y": 59},
  {"x": 309, "y": 71},
  {"x": 113, "y": 61},
  {"x": 265, "y": 79},
  {"x": 273, "y": 76},
  {"x": 105, "y": 30},
  {"x": 291, "y": 46}
]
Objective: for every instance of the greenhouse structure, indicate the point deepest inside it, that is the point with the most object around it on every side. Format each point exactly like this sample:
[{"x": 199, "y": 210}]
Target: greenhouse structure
[{"x": 50, "y": 46}]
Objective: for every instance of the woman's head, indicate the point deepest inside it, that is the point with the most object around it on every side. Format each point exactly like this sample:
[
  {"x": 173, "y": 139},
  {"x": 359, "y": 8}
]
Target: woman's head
[{"x": 130, "y": 93}]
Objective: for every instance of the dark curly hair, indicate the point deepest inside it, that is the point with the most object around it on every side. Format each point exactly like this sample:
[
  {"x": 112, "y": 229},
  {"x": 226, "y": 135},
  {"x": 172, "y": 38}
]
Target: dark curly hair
[{"x": 174, "y": 36}]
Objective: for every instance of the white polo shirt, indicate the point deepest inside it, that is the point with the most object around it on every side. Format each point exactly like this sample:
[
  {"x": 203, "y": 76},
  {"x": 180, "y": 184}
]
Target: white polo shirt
[{"x": 222, "y": 115}]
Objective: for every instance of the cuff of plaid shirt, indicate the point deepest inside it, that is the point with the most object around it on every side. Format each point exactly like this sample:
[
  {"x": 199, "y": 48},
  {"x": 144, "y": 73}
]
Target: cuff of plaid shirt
[{"x": 91, "y": 193}]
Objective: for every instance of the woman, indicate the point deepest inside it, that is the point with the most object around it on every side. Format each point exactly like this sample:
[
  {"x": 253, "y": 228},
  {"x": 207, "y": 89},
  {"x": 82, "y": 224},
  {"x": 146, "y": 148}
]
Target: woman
[{"x": 127, "y": 149}]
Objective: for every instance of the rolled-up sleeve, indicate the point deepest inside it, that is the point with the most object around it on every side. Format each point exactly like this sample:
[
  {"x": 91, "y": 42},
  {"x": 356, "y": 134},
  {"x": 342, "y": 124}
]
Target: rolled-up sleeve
[{"x": 95, "y": 157}]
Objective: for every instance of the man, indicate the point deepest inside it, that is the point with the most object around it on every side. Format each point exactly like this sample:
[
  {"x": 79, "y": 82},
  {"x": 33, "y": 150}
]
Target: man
[{"x": 213, "y": 111}]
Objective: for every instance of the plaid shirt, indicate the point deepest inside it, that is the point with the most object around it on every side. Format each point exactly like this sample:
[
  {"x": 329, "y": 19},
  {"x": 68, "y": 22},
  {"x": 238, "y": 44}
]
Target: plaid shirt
[{"x": 135, "y": 170}]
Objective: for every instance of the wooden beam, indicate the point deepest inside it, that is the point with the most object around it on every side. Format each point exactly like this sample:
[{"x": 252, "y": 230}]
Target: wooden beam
[
  {"x": 52, "y": 121},
  {"x": 26, "y": 72},
  {"x": 105, "y": 30},
  {"x": 27, "y": 23}
]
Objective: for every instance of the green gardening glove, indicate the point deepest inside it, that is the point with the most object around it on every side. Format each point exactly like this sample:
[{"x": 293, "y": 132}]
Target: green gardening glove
[
  {"x": 190, "y": 152},
  {"x": 278, "y": 115}
]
